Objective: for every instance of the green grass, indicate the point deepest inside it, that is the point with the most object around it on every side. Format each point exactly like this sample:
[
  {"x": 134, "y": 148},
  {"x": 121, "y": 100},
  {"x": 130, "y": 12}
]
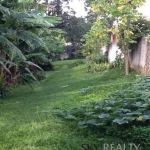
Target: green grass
[{"x": 26, "y": 121}]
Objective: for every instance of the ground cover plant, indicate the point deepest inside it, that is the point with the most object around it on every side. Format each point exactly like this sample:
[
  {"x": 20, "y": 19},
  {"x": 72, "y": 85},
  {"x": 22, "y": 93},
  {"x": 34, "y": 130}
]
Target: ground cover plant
[
  {"x": 123, "y": 113},
  {"x": 26, "y": 118}
]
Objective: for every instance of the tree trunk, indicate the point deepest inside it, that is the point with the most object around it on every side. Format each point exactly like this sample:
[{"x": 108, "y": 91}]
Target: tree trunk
[{"x": 126, "y": 57}]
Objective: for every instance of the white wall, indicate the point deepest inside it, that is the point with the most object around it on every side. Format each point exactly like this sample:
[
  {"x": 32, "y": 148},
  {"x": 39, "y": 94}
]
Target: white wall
[{"x": 112, "y": 52}]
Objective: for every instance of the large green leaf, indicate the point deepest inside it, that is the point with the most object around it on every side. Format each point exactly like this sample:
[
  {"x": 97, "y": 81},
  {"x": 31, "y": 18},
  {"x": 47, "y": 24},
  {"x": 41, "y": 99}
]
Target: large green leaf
[
  {"x": 31, "y": 74},
  {"x": 4, "y": 9},
  {"x": 13, "y": 48},
  {"x": 91, "y": 121},
  {"x": 81, "y": 123},
  {"x": 40, "y": 56},
  {"x": 32, "y": 64},
  {"x": 37, "y": 22},
  {"x": 30, "y": 37},
  {"x": 89, "y": 113},
  {"x": 69, "y": 116},
  {"x": 18, "y": 15},
  {"x": 120, "y": 121},
  {"x": 94, "y": 122},
  {"x": 52, "y": 19},
  {"x": 104, "y": 116}
]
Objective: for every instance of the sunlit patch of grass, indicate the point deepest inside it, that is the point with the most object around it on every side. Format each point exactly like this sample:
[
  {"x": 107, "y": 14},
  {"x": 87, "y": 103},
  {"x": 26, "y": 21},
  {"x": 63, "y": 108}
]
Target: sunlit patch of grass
[{"x": 26, "y": 121}]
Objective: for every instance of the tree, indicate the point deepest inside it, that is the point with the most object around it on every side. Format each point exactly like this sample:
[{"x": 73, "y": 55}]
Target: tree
[
  {"x": 96, "y": 38},
  {"x": 122, "y": 12},
  {"x": 21, "y": 42},
  {"x": 74, "y": 27}
]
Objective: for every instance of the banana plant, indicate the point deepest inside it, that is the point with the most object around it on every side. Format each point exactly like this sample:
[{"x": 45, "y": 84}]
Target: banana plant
[{"x": 19, "y": 38}]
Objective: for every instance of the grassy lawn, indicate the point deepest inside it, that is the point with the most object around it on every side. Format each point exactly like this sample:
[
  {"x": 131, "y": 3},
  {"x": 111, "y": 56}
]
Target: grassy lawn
[{"x": 26, "y": 121}]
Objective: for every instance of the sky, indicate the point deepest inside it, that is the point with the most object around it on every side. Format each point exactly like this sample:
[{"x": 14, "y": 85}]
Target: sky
[
  {"x": 145, "y": 9},
  {"x": 78, "y": 6}
]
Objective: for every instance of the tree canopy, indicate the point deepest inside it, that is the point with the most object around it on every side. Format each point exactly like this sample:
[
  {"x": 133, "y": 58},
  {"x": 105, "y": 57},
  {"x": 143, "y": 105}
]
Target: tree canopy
[
  {"x": 24, "y": 42},
  {"x": 115, "y": 16}
]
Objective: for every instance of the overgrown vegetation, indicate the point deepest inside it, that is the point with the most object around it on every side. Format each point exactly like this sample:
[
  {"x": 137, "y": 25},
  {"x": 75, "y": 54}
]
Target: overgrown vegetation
[
  {"x": 23, "y": 42},
  {"x": 115, "y": 18},
  {"x": 140, "y": 28},
  {"x": 99, "y": 106},
  {"x": 99, "y": 63},
  {"x": 121, "y": 114},
  {"x": 26, "y": 120}
]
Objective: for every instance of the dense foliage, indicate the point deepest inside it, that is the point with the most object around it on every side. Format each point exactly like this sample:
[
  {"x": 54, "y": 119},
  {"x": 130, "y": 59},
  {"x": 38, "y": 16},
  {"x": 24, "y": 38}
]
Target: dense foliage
[
  {"x": 26, "y": 114},
  {"x": 23, "y": 45},
  {"x": 114, "y": 17},
  {"x": 99, "y": 63},
  {"x": 74, "y": 27},
  {"x": 123, "y": 111},
  {"x": 140, "y": 28}
]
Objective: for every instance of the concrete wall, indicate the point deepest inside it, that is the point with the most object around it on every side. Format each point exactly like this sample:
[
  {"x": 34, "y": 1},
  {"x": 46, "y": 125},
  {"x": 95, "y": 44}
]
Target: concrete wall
[
  {"x": 113, "y": 50},
  {"x": 138, "y": 56}
]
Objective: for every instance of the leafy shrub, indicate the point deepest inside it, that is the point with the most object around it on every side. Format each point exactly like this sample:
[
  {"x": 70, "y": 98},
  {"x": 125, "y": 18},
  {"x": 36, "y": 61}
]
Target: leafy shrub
[
  {"x": 40, "y": 75},
  {"x": 78, "y": 54},
  {"x": 118, "y": 63},
  {"x": 46, "y": 66},
  {"x": 27, "y": 77},
  {"x": 122, "y": 114},
  {"x": 129, "y": 106},
  {"x": 99, "y": 58},
  {"x": 78, "y": 62},
  {"x": 138, "y": 135},
  {"x": 93, "y": 67},
  {"x": 140, "y": 28},
  {"x": 99, "y": 62}
]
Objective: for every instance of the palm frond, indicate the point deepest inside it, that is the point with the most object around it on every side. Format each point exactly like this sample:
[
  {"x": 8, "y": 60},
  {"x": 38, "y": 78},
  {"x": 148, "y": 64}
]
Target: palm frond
[
  {"x": 32, "y": 64},
  {"x": 13, "y": 48},
  {"x": 4, "y": 66},
  {"x": 4, "y": 9},
  {"x": 37, "y": 22},
  {"x": 31, "y": 75},
  {"x": 30, "y": 38},
  {"x": 40, "y": 56}
]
